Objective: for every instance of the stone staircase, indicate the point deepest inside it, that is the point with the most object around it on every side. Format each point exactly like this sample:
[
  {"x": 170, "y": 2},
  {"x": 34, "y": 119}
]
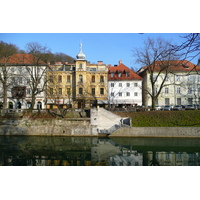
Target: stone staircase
[{"x": 106, "y": 122}]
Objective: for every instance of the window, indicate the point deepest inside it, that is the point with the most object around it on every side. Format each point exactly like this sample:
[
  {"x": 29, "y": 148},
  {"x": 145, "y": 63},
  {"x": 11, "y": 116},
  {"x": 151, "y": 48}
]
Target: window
[
  {"x": 101, "y": 79},
  {"x": 50, "y": 79},
  {"x": 60, "y": 91},
  {"x": 167, "y": 78},
  {"x": 128, "y": 94},
  {"x": 60, "y": 79},
  {"x": 80, "y": 78},
  {"x": 20, "y": 80},
  {"x": 93, "y": 69},
  {"x": 135, "y": 94},
  {"x": 120, "y": 94},
  {"x": 127, "y": 74},
  {"x": 80, "y": 66},
  {"x": 68, "y": 91},
  {"x": 189, "y": 90},
  {"x": 93, "y": 91},
  {"x": 191, "y": 77},
  {"x": 28, "y": 91},
  {"x": 120, "y": 84},
  {"x": 112, "y": 74},
  {"x": 166, "y": 90},
  {"x": 167, "y": 156},
  {"x": 167, "y": 102},
  {"x": 178, "y": 90},
  {"x": 190, "y": 100},
  {"x": 68, "y": 79},
  {"x": 101, "y": 90},
  {"x": 112, "y": 94},
  {"x": 119, "y": 74},
  {"x": 127, "y": 84},
  {"x": 112, "y": 84},
  {"x": 80, "y": 90},
  {"x": 178, "y": 101},
  {"x": 178, "y": 77},
  {"x": 135, "y": 84},
  {"x": 28, "y": 80},
  {"x": 93, "y": 79}
]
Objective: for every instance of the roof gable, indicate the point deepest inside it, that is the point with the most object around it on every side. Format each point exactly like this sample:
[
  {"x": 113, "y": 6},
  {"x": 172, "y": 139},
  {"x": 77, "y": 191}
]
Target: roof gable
[{"x": 122, "y": 72}]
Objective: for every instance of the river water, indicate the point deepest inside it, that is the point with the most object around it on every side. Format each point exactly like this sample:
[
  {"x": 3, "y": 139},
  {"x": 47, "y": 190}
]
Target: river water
[{"x": 94, "y": 151}]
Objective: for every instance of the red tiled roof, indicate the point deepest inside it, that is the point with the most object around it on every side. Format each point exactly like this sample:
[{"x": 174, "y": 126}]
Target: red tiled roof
[
  {"x": 175, "y": 66},
  {"x": 121, "y": 68},
  {"x": 17, "y": 59}
]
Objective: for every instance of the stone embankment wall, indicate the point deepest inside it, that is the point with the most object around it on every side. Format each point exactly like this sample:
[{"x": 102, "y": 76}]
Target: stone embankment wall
[
  {"x": 56, "y": 127},
  {"x": 157, "y": 132}
]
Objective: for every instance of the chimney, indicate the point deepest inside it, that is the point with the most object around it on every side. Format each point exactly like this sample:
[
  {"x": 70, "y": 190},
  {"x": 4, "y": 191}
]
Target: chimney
[
  {"x": 198, "y": 64},
  {"x": 100, "y": 62},
  {"x": 120, "y": 62}
]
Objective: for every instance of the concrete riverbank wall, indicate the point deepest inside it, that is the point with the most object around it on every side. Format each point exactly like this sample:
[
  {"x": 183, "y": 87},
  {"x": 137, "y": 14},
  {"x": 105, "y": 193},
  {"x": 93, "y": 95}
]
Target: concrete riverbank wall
[
  {"x": 55, "y": 127},
  {"x": 157, "y": 132}
]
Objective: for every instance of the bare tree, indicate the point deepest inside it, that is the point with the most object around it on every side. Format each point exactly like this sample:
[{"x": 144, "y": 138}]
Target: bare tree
[
  {"x": 156, "y": 57},
  {"x": 37, "y": 70},
  {"x": 58, "y": 95},
  {"x": 6, "y": 51}
]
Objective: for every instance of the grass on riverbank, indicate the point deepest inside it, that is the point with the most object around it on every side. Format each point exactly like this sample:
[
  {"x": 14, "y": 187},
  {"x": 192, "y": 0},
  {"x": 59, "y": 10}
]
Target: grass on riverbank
[{"x": 189, "y": 118}]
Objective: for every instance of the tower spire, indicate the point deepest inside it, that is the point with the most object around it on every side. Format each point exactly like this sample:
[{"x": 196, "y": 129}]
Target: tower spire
[{"x": 80, "y": 55}]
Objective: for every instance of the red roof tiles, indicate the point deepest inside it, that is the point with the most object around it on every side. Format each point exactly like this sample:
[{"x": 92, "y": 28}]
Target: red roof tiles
[
  {"x": 174, "y": 66},
  {"x": 20, "y": 59},
  {"x": 121, "y": 72}
]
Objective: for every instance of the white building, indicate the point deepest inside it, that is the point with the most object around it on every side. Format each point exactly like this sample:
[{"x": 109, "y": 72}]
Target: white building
[
  {"x": 124, "y": 86},
  {"x": 25, "y": 75},
  {"x": 181, "y": 87}
]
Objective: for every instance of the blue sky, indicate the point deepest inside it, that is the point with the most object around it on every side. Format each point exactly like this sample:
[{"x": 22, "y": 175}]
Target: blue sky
[{"x": 106, "y": 47}]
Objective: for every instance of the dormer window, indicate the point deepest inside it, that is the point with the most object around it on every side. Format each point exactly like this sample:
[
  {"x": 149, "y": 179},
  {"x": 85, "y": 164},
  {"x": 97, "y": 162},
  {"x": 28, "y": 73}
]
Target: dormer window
[
  {"x": 119, "y": 74},
  {"x": 112, "y": 74},
  {"x": 127, "y": 74}
]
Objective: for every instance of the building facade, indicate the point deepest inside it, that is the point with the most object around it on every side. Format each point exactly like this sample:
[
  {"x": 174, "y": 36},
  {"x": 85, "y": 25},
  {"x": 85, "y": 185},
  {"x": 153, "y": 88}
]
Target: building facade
[
  {"x": 60, "y": 85},
  {"x": 91, "y": 83},
  {"x": 22, "y": 75},
  {"x": 124, "y": 87},
  {"x": 181, "y": 86}
]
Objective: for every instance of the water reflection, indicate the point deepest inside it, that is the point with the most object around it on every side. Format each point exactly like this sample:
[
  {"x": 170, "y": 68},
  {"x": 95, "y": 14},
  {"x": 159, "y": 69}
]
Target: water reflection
[{"x": 90, "y": 151}]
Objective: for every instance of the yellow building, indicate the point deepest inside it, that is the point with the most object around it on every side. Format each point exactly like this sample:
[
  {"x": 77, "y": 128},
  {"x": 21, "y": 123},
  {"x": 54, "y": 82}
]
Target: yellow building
[
  {"x": 80, "y": 85},
  {"x": 60, "y": 85},
  {"x": 91, "y": 82}
]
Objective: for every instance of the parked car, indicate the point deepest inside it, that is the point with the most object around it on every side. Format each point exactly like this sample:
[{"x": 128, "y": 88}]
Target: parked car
[
  {"x": 177, "y": 107},
  {"x": 167, "y": 108},
  {"x": 158, "y": 107},
  {"x": 190, "y": 107}
]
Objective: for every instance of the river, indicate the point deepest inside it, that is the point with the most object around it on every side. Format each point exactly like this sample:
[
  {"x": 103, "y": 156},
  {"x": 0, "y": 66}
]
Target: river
[{"x": 94, "y": 151}]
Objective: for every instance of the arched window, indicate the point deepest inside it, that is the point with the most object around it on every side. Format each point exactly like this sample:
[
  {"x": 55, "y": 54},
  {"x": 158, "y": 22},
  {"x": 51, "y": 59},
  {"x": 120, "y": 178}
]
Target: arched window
[
  {"x": 10, "y": 105},
  {"x": 80, "y": 78},
  {"x": 80, "y": 66},
  {"x": 101, "y": 79},
  {"x": 39, "y": 105}
]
